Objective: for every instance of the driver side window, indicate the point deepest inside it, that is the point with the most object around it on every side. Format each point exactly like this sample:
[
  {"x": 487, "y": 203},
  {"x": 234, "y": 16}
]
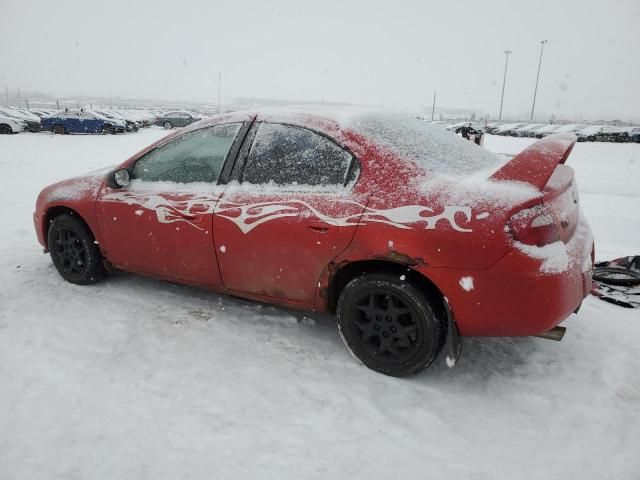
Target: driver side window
[{"x": 196, "y": 156}]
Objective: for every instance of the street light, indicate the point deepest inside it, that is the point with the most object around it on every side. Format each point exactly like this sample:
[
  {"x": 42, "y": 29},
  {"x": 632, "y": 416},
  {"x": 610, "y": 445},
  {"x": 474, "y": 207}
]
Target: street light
[
  {"x": 504, "y": 80},
  {"x": 535, "y": 91}
]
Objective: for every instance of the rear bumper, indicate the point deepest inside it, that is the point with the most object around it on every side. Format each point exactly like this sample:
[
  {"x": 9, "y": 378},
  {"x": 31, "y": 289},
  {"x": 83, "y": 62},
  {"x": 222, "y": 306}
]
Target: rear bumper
[{"x": 520, "y": 295}]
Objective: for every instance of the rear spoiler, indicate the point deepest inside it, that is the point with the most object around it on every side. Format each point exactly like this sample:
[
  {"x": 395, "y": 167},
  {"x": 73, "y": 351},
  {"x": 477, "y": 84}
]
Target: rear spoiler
[{"x": 536, "y": 163}]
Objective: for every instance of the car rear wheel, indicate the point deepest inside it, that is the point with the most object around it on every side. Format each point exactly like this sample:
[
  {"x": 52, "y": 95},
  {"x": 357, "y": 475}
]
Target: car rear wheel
[
  {"x": 59, "y": 129},
  {"x": 389, "y": 325},
  {"x": 167, "y": 125},
  {"x": 5, "y": 129},
  {"x": 74, "y": 251},
  {"x": 107, "y": 130}
]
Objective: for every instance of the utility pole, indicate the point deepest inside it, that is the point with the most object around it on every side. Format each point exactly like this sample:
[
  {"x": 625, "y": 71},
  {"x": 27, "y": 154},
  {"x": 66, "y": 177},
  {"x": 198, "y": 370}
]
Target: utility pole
[
  {"x": 6, "y": 94},
  {"x": 219, "y": 80},
  {"x": 433, "y": 108},
  {"x": 504, "y": 80},
  {"x": 535, "y": 91},
  {"x": 110, "y": 101}
]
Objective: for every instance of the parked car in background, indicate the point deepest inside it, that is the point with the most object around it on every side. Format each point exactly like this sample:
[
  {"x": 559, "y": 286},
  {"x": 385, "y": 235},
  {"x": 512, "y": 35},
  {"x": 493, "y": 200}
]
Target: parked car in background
[
  {"x": 130, "y": 125},
  {"x": 40, "y": 112},
  {"x": 177, "y": 119},
  {"x": 571, "y": 128},
  {"x": 142, "y": 120},
  {"x": 545, "y": 130},
  {"x": 634, "y": 134},
  {"x": 612, "y": 134},
  {"x": 526, "y": 130},
  {"x": 10, "y": 124},
  {"x": 599, "y": 133},
  {"x": 507, "y": 128},
  {"x": 81, "y": 121},
  {"x": 31, "y": 121},
  {"x": 491, "y": 127}
]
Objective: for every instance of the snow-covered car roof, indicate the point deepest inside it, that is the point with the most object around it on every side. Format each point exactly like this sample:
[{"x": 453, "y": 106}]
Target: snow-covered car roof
[
  {"x": 529, "y": 127},
  {"x": 548, "y": 128},
  {"x": 590, "y": 129},
  {"x": 572, "y": 127},
  {"x": 427, "y": 145},
  {"x": 509, "y": 126}
]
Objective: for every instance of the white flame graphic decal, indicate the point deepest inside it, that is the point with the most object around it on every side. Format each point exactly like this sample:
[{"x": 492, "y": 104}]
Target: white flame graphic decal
[{"x": 247, "y": 216}]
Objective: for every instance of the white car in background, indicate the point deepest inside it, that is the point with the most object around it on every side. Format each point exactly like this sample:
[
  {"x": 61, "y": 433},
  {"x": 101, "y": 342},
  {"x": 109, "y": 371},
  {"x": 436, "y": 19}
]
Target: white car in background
[
  {"x": 31, "y": 121},
  {"x": 526, "y": 130},
  {"x": 10, "y": 124},
  {"x": 545, "y": 130},
  {"x": 589, "y": 133},
  {"x": 507, "y": 128}
]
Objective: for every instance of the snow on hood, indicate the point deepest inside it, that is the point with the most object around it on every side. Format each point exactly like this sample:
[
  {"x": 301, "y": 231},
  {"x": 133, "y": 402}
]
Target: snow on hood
[{"x": 76, "y": 188}]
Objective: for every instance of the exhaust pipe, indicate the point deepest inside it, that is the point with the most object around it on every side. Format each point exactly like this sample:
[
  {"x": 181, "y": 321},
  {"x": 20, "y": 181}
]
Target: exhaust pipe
[{"x": 556, "y": 333}]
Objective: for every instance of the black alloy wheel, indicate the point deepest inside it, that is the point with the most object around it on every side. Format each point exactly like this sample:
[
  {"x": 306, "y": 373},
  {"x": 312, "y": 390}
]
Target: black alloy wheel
[
  {"x": 74, "y": 251},
  {"x": 5, "y": 129},
  {"x": 389, "y": 325}
]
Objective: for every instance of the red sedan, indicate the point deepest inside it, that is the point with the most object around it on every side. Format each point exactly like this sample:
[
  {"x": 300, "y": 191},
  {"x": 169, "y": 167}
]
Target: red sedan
[{"x": 409, "y": 234}]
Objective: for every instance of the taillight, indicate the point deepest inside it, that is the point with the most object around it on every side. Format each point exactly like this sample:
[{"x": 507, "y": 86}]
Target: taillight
[{"x": 534, "y": 226}]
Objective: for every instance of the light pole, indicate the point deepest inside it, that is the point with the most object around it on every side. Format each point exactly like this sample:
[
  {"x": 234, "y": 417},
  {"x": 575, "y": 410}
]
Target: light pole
[
  {"x": 504, "y": 80},
  {"x": 535, "y": 91},
  {"x": 219, "y": 83},
  {"x": 433, "y": 109}
]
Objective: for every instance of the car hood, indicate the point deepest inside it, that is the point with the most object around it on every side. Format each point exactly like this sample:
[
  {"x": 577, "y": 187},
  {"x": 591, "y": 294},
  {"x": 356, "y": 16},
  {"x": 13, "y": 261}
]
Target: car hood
[{"x": 77, "y": 188}]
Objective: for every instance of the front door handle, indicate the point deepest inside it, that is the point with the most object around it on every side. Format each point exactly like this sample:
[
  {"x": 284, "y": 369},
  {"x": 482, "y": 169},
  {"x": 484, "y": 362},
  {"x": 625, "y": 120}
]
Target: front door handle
[{"x": 318, "y": 227}]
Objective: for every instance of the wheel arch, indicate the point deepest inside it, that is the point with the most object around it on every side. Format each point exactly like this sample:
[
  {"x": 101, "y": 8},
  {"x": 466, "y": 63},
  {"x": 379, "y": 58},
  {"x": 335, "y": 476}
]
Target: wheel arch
[
  {"x": 347, "y": 272},
  {"x": 55, "y": 211}
]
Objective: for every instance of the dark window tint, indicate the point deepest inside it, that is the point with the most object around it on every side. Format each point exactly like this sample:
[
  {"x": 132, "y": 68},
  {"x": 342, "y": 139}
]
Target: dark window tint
[
  {"x": 193, "y": 157},
  {"x": 287, "y": 155}
]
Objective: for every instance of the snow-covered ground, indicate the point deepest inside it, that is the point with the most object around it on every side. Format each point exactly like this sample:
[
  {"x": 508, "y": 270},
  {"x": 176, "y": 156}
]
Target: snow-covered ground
[{"x": 139, "y": 379}]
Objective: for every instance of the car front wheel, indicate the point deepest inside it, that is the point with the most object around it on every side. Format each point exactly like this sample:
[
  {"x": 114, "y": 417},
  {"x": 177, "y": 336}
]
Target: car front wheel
[
  {"x": 74, "y": 251},
  {"x": 389, "y": 324},
  {"x": 168, "y": 125}
]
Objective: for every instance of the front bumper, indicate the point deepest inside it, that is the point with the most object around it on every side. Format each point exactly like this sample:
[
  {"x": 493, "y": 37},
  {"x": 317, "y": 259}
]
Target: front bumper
[{"x": 30, "y": 126}]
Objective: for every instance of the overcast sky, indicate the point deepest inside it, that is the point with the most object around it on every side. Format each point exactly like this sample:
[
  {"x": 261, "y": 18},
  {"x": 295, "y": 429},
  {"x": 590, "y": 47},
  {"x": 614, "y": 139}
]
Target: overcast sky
[{"x": 394, "y": 53}]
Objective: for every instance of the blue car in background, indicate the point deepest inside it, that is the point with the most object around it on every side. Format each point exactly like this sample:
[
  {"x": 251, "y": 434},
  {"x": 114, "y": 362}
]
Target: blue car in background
[{"x": 81, "y": 121}]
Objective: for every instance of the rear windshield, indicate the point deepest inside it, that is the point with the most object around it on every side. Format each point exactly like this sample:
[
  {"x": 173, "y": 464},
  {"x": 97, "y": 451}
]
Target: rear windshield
[{"x": 432, "y": 147}]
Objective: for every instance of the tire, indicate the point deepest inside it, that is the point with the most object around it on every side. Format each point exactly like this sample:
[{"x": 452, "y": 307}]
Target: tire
[
  {"x": 74, "y": 252},
  {"x": 398, "y": 341},
  {"x": 167, "y": 125},
  {"x": 107, "y": 130},
  {"x": 59, "y": 129},
  {"x": 616, "y": 276},
  {"x": 5, "y": 129}
]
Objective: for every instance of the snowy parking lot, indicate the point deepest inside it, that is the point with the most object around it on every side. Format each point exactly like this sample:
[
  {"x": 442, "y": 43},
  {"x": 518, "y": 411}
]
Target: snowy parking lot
[{"x": 135, "y": 378}]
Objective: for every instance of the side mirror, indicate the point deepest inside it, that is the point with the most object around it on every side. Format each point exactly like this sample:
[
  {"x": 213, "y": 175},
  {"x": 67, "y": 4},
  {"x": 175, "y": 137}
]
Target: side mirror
[{"x": 119, "y": 178}]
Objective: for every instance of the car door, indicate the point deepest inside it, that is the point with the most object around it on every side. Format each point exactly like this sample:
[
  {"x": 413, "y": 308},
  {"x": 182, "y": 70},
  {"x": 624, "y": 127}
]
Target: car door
[
  {"x": 182, "y": 119},
  {"x": 290, "y": 214},
  {"x": 161, "y": 224}
]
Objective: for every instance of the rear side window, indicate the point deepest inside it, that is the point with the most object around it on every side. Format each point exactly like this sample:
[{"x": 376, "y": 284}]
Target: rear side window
[
  {"x": 194, "y": 157},
  {"x": 287, "y": 155}
]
